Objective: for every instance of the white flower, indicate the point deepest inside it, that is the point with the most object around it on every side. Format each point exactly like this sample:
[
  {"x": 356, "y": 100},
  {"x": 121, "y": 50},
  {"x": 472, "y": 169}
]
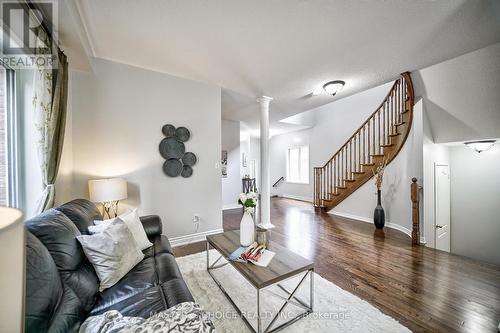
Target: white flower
[{"x": 243, "y": 197}]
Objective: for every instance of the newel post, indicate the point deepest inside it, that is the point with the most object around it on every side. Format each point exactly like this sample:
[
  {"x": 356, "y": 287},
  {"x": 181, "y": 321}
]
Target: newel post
[{"x": 415, "y": 233}]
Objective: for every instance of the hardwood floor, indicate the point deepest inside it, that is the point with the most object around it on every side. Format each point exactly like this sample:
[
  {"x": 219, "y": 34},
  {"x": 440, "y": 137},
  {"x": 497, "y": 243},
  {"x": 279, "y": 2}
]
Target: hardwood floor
[{"x": 425, "y": 289}]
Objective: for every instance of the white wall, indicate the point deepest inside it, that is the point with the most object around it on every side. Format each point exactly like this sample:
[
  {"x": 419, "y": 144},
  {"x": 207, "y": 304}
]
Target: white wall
[
  {"x": 231, "y": 186},
  {"x": 433, "y": 154},
  {"x": 475, "y": 198},
  {"x": 461, "y": 96},
  {"x": 118, "y": 112}
]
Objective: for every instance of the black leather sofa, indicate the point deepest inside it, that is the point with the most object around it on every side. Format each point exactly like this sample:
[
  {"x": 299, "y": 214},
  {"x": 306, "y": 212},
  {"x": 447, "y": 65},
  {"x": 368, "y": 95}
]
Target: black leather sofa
[{"x": 62, "y": 286}]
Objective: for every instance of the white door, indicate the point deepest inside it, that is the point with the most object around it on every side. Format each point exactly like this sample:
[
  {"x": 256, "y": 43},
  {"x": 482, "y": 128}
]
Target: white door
[{"x": 442, "y": 187}]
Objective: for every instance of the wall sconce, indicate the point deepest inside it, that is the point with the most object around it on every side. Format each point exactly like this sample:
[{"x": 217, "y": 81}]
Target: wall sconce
[{"x": 481, "y": 145}]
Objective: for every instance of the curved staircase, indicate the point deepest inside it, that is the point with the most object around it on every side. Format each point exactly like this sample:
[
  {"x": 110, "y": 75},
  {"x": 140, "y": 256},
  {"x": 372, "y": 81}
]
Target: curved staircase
[{"x": 378, "y": 140}]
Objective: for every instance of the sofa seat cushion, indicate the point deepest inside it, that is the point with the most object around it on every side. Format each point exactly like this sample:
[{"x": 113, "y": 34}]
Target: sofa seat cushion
[
  {"x": 136, "y": 292},
  {"x": 142, "y": 304},
  {"x": 143, "y": 276}
]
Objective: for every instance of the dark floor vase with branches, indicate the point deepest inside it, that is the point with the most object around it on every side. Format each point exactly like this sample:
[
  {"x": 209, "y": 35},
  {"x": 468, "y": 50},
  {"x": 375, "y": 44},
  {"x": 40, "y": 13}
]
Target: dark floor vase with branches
[{"x": 379, "y": 214}]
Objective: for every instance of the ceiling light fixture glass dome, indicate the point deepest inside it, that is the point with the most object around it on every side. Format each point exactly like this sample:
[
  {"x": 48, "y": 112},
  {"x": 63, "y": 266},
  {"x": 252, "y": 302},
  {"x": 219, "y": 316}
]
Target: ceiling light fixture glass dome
[
  {"x": 481, "y": 145},
  {"x": 333, "y": 87}
]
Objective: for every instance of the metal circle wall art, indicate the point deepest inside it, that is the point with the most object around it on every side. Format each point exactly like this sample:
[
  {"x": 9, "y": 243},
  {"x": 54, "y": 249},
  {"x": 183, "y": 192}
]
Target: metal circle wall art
[
  {"x": 182, "y": 134},
  {"x": 178, "y": 162},
  {"x": 171, "y": 148}
]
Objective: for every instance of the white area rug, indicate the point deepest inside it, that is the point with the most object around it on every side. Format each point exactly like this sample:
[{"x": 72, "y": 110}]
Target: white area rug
[{"x": 335, "y": 310}]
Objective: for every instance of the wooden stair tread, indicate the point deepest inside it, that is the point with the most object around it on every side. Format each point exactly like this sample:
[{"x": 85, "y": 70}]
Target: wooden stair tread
[
  {"x": 387, "y": 145},
  {"x": 341, "y": 187},
  {"x": 400, "y": 124},
  {"x": 358, "y": 172},
  {"x": 350, "y": 180},
  {"x": 393, "y": 135},
  {"x": 377, "y": 155},
  {"x": 367, "y": 164}
]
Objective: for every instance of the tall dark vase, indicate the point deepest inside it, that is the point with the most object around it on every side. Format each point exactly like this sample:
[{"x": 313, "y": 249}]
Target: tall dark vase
[{"x": 379, "y": 214}]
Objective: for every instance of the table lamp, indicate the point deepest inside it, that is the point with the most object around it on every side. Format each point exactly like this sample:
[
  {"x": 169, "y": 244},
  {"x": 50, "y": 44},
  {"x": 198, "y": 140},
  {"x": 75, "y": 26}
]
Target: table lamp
[
  {"x": 12, "y": 261},
  {"x": 108, "y": 192}
]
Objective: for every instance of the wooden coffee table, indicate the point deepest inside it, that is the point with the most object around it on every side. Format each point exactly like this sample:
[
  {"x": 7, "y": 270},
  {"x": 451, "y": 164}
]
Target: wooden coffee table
[{"x": 284, "y": 265}]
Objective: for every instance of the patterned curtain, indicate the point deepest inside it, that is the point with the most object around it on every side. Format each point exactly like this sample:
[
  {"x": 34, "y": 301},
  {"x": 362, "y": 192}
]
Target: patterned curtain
[{"x": 49, "y": 102}]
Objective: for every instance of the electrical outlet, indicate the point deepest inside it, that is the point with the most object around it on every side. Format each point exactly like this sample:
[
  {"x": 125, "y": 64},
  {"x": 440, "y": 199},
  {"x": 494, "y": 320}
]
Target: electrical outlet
[{"x": 196, "y": 218}]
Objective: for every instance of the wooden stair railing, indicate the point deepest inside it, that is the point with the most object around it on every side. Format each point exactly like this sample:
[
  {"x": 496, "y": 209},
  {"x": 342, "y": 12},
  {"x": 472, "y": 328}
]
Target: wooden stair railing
[{"x": 378, "y": 139}]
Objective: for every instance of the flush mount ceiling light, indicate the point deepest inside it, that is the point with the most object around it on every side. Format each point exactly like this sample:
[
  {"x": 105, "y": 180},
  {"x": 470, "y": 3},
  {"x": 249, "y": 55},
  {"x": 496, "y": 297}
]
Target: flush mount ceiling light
[
  {"x": 333, "y": 87},
  {"x": 480, "y": 146}
]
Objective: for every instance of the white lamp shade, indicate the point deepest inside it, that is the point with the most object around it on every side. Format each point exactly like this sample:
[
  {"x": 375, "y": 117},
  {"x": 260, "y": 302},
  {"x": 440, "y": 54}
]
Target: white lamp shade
[
  {"x": 106, "y": 190},
  {"x": 12, "y": 261}
]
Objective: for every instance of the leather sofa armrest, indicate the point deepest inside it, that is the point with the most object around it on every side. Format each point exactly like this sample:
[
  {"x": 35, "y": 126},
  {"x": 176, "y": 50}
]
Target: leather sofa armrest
[{"x": 152, "y": 225}]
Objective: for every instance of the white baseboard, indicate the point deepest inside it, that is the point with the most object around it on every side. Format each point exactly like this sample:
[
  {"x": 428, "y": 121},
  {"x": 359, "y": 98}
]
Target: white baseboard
[
  {"x": 193, "y": 238},
  {"x": 231, "y": 206},
  {"x": 370, "y": 220},
  {"x": 296, "y": 197}
]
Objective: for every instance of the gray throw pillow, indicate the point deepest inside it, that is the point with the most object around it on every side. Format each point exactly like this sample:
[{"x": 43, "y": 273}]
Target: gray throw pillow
[{"x": 113, "y": 252}]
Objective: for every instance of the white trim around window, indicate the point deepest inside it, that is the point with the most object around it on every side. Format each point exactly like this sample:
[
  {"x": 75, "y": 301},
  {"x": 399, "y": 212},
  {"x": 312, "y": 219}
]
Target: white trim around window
[{"x": 297, "y": 165}]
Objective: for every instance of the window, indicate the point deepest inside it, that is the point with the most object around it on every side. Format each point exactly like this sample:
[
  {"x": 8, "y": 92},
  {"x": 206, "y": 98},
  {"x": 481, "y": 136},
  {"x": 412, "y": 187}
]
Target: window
[
  {"x": 8, "y": 139},
  {"x": 297, "y": 165}
]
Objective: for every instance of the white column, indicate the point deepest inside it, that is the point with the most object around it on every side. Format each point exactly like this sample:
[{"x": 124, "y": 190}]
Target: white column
[{"x": 265, "y": 185}]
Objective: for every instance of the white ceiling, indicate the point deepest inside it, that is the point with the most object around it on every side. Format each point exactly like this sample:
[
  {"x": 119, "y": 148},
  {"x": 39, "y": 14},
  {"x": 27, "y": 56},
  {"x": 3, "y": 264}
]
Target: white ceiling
[{"x": 285, "y": 48}]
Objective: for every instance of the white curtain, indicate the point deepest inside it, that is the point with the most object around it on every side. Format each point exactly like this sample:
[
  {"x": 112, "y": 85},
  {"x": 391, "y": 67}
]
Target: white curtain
[{"x": 49, "y": 102}]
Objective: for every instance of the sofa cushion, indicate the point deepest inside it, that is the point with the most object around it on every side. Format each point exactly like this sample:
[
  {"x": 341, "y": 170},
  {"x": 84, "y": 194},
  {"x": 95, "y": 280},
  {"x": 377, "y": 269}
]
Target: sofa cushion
[
  {"x": 69, "y": 314},
  {"x": 155, "y": 270},
  {"x": 141, "y": 304},
  {"x": 58, "y": 234},
  {"x": 43, "y": 286},
  {"x": 82, "y": 212},
  {"x": 143, "y": 276}
]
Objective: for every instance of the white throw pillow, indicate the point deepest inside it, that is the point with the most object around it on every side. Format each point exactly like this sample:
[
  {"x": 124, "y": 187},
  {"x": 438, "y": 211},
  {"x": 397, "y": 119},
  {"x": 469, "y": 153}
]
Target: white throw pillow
[
  {"x": 133, "y": 222},
  {"x": 94, "y": 229},
  {"x": 113, "y": 252}
]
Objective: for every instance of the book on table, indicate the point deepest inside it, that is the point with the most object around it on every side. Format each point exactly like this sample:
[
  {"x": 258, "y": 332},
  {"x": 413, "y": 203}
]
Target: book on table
[{"x": 255, "y": 254}]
